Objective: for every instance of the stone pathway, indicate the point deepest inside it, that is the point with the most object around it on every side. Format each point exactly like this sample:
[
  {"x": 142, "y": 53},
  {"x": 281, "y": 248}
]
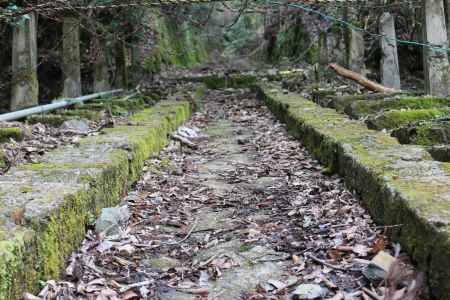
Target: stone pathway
[{"x": 247, "y": 215}]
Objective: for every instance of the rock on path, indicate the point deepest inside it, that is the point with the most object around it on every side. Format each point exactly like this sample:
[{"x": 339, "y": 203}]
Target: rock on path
[{"x": 247, "y": 215}]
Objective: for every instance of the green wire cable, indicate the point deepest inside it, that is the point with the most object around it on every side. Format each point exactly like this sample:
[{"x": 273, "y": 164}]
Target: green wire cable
[{"x": 356, "y": 28}]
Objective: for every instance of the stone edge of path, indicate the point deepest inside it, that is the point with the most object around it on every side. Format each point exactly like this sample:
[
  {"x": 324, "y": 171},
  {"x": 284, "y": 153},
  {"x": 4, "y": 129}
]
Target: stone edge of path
[
  {"x": 44, "y": 208},
  {"x": 399, "y": 184}
]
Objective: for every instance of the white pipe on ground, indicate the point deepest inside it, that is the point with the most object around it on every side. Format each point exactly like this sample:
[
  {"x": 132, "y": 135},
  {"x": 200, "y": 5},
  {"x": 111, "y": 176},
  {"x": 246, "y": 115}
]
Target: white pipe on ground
[{"x": 59, "y": 104}]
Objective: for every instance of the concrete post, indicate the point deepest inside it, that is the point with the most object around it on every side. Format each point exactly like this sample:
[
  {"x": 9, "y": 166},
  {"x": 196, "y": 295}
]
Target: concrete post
[
  {"x": 136, "y": 69},
  {"x": 436, "y": 66},
  {"x": 447, "y": 7},
  {"x": 25, "y": 86},
  {"x": 390, "y": 71},
  {"x": 355, "y": 53},
  {"x": 323, "y": 48},
  {"x": 101, "y": 75},
  {"x": 71, "y": 57},
  {"x": 121, "y": 65}
]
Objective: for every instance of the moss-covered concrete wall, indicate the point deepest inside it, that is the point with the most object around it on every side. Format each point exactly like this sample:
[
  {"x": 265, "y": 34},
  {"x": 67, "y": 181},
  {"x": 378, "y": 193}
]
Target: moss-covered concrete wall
[
  {"x": 399, "y": 184},
  {"x": 176, "y": 44},
  {"x": 45, "y": 207}
]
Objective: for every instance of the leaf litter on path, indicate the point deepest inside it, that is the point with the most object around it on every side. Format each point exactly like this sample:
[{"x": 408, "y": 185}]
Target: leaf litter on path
[{"x": 246, "y": 214}]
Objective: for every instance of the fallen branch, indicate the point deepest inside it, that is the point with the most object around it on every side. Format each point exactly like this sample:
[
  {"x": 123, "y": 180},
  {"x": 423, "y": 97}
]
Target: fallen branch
[
  {"x": 195, "y": 291},
  {"x": 135, "y": 285},
  {"x": 369, "y": 84}
]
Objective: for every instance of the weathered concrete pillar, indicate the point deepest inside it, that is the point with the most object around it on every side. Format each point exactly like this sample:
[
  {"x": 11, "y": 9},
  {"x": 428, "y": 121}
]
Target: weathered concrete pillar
[
  {"x": 101, "y": 74},
  {"x": 390, "y": 71},
  {"x": 121, "y": 65},
  {"x": 436, "y": 66},
  {"x": 137, "y": 62},
  {"x": 25, "y": 86},
  {"x": 323, "y": 48},
  {"x": 71, "y": 57},
  {"x": 447, "y": 7},
  {"x": 355, "y": 51}
]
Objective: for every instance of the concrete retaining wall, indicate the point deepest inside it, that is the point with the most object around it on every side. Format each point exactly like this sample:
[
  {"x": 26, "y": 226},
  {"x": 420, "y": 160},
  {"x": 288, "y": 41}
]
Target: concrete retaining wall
[
  {"x": 399, "y": 184},
  {"x": 45, "y": 207}
]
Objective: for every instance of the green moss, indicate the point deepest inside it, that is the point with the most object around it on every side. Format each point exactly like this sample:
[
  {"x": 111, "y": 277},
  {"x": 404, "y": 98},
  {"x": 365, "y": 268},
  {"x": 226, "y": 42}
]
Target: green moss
[
  {"x": 54, "y": 120},
  {"x": 446, "y": 166},
  {"x": 98, "y": 106},
  {"x": 14, "y": 133},
  {"x": 313, "y": 54},
  {"x": 117, "y": 106},
  {"x": 396, "y": 118},
  {"x": 432, "y": 134},
  {"x": 176, "y": 44},
  {"x": 26, "y": 189},
  {"x": 363, "y": 108},
  {"x": 152, "y": 63},
  {"x": 59, "y": 166},
  {"x": 81, "y": 113},
  {"x": 2, "y": 159},
  {"x": 424, "y": 133},
  {"x": 292, "y": 42},
  {"x": 15, "y": 259}
]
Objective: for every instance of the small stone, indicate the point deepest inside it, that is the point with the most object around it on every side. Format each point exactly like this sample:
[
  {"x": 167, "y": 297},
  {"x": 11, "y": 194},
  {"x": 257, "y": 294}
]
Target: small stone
[
  {"x": 272, "y": 72},
  {"x": 111, "y": 220},
  {"x": 242, "y": 141},
  {"x": 309, "y": 291},
  {"x": 126, "y": 250},
  {"x": 379, "y": 266},
  {"x": 75, "y": 126},
  {"x": 163, "y": 263}
]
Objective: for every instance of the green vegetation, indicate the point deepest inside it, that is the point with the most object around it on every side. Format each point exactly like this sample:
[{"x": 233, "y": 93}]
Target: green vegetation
[
  {"x": 54, "y": 120},
  {"x": 117, "y": 106},
  {"x": 83, "y": 114},
  {"x": 2, "y": 159},
  {"x": 424, "y": 133},
  {"x": 293, "y": 42},
  {"x": 363, "y": 108},
  {"x": 61, "y": 116},
  {"x": 177, "y": 44},
  {"x": 397, "y": 118},
  {"x": 14, "y": 133}
]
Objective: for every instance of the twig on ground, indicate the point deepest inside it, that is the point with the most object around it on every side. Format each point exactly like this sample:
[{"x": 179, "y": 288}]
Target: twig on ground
[
  {"x": 187, "y": 235},
  {"x": 321, "y": 261}
]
